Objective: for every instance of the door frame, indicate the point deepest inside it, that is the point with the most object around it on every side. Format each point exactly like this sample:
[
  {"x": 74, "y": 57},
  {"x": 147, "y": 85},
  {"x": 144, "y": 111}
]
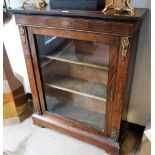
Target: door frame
[{"x": 113, "y": 62}]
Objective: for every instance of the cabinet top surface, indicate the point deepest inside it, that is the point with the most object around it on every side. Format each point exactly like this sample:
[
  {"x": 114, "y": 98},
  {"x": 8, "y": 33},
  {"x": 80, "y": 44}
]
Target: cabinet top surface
[{"x": 140, "y": 12}]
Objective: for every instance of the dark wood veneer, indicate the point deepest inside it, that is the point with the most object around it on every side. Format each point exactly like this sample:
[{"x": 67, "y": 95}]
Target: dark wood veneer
[
  {"x": 87, "y": 26},
  {"x": 77, "y": 24}
]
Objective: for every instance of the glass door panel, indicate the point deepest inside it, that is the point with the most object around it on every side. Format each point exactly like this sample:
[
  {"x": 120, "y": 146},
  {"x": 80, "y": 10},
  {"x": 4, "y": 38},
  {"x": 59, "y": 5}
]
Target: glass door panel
[{"x": 75, "y": 76}]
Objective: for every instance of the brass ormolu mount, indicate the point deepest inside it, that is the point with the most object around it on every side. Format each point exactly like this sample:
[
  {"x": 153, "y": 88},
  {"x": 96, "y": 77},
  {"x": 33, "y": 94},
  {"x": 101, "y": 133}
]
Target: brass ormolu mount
[
  {"x": 127, "y": 7},
  {"x": 40, "y": 5}
]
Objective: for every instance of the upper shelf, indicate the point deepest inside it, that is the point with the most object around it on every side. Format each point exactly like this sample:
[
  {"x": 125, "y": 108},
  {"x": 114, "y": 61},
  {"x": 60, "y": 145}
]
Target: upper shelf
[
  {"x": 68, "y": 53},
  {"x": 140, "y": 12}
]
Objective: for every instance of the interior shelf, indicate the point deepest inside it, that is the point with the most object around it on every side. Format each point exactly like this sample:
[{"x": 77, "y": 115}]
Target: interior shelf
[
  {"x": 74, "y": 98},
  {"x": 82, "y": 115},
  {"x": 75, "y": 77},
  {"x": 71, "y": 54},
  {"x": 49, "y": 67},
  {"x": 77, "y": 86}
]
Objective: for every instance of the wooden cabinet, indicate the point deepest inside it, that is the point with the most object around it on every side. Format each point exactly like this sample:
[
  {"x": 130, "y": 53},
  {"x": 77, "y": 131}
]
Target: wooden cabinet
[{"x": 80, "y": 66}]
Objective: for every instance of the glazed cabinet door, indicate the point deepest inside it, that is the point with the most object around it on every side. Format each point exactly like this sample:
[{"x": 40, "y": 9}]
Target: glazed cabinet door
[{"x": 75, "y": 76}]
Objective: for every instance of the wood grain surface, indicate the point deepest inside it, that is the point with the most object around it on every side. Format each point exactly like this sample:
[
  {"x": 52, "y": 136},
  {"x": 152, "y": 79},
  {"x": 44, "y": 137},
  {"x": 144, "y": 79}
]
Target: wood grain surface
[{"x": 87, "y": 26}]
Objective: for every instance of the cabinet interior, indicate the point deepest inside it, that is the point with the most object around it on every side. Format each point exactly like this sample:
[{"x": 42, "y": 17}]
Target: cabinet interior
[{"x": 75, "y": 77}]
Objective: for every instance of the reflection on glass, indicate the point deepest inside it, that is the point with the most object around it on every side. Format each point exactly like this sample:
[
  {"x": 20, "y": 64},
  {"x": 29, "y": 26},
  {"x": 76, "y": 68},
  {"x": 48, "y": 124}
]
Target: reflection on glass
[{"x": 75, "y": 75}]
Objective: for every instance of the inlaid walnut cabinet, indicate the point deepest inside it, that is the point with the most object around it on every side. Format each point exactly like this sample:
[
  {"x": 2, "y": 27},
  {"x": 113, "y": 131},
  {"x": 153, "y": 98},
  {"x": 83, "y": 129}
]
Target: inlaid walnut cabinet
[{"x": 80, "y": 66}]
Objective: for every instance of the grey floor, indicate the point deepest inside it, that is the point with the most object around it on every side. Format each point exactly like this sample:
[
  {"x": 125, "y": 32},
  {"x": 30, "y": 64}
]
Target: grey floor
[{"x": 28, "y": 139}]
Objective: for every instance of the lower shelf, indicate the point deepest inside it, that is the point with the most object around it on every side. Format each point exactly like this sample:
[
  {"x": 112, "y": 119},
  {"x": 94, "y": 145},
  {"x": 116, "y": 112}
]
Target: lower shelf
[
  {"x": 77, "y": 86},
  {"x": 105, "y": 143},
  {"x": 71, "y": 111}
]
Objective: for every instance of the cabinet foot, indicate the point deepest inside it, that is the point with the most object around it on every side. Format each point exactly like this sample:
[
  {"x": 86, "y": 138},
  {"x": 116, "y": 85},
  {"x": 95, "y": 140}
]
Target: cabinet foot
[{"x": 38, "y": 124}]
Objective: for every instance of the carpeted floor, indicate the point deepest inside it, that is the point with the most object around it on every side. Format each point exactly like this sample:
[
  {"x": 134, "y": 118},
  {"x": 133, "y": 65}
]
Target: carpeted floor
[{"x": 28, "y": 139}]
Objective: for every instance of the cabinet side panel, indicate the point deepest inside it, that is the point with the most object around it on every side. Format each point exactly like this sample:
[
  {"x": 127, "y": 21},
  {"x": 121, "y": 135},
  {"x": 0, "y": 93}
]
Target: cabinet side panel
[
  {"x": 30, "y": 68},
  {"x": 121, "y": 79},
  {"x": 132, "y": 59}
]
